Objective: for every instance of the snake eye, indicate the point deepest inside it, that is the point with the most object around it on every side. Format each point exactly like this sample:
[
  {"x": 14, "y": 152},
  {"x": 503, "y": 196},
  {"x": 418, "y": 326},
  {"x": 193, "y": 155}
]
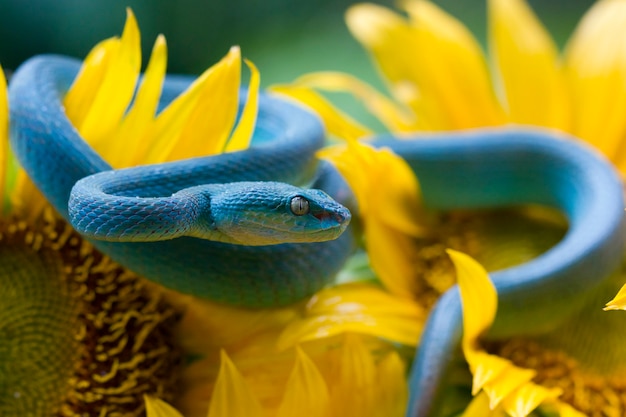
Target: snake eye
[{"x": 299, "y": 205}]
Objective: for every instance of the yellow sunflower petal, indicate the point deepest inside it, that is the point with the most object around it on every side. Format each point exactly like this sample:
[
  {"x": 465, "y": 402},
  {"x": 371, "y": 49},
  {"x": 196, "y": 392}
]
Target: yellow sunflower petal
[
  {"x": 4, "y": 138},
  {"x": 510, "y": 380},
  {"x": 178, "y": 127},
  {"x": 158, "y": 408},
  {"x": 354, "y": 166},
  {"x": 478, "y": 296},
  {"x": 565, "y": 410},
  {"x": 220, "y": 99},
  {"x": 357, "y": 308},
  {"x": 26, "y": 199},
  {"x": 231, "y": 395},
  {"x": 352, "y": 389},
  {"x": 392, "y": 254},
  {"x": 454, "y": 67},
  {"x": 305, "y": 390},
  {"x": 80, "y": 96},
  {"x": 449, "y": 86},
  {"x": 596, "y": 75},
  {"x": 242, "y": 135},
  {"x": 203, "y": 317},
  {"x": 393, "y": 390},
  {"x": 528, "y": 65},
  {"x": 394, "y": 45},
  {"x": 129, "y": 143},
  {"x": 393, "y": 116},
  {"x": 116, "y": 88},
  {"x": 399, "y": 205},
  {"x": 485, "y": 368},
  {"x": 384, "y": 184},
  {"x": 618, "y": 302},
  {"x": 389, "y": 204},
  {"x": 479, "y": 407},
  {"x": 527, "y": 398},
  {"x": 337, "y": 123}
]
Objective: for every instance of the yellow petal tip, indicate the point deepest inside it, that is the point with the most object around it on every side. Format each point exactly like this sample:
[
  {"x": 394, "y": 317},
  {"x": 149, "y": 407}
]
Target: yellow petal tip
[{"x": 618, "y": 302}]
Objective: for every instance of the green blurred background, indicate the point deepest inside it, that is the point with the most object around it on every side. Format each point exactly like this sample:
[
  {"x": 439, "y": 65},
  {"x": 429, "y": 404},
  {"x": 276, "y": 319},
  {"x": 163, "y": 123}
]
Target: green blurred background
[{"x": 284, "y": 38}]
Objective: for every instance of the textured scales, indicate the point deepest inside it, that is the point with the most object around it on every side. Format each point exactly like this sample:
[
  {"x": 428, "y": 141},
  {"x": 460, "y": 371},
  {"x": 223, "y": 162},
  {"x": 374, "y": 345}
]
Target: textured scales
[
  {"x": 242, "y": 213},
  {"x": 482, "y": 168},
  {"x": 255, "y": 276}
]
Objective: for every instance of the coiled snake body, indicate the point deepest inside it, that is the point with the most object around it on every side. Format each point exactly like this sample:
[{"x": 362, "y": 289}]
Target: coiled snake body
[
  {"x": 476, "y": 169},
  {"x": 56, "y": 158}
]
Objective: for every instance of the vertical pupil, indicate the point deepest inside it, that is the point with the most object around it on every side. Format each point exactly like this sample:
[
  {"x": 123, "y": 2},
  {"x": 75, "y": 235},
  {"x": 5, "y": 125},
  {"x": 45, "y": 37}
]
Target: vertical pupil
[{"x": 299, "y": 206}]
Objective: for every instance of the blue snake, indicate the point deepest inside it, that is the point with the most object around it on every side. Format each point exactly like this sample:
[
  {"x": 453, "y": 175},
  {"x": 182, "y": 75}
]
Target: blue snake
[
  {"x": 56, "y": 158},
  {"x": 126, "y": 213}
]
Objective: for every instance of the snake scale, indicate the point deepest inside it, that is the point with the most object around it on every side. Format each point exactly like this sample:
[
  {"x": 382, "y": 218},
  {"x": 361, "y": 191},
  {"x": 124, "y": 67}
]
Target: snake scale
[{"x": 473, "y": 169}]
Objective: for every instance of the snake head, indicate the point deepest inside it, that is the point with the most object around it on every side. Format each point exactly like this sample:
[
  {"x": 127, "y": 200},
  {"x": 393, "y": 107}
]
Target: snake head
[{"x": 268, "y": 213}]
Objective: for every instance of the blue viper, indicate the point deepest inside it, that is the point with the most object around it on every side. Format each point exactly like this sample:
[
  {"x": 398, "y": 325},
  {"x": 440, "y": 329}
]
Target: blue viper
[{"x": 156, "y": 220}]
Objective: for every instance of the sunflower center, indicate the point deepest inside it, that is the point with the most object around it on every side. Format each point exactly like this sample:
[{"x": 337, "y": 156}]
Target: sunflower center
[
  {"x": 37, "y": 318},
  {"x": 79, "y": 334},
  {"x": 497, "y": 239},
  {"x": 592, "y": 393}
]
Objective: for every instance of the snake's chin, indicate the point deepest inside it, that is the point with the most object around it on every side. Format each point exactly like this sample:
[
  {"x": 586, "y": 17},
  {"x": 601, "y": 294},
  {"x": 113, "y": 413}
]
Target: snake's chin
[{"x": 330, "y": 227}]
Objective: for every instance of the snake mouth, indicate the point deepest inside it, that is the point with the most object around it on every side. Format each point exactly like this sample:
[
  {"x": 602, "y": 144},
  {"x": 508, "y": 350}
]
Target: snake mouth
[{"x": 338, "y": 217}]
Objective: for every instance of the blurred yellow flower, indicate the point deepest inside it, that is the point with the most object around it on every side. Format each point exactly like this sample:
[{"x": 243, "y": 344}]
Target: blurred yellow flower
[
  {"x": 380, "y": 386},
  {"x": 439, "y": 78},
  {"x": 338, "y": 345}
]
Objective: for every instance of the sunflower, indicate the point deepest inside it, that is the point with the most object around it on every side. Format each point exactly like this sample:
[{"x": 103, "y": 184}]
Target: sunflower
[
  {"x": 564, "y": 372},
  {"x": 343, "y": 352},
  {"x": 505, "y": 387},
  {"x": 406, "y": 243},
  {"x": 82, "y": 335},
  {"x": 439, "y": 79}
]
